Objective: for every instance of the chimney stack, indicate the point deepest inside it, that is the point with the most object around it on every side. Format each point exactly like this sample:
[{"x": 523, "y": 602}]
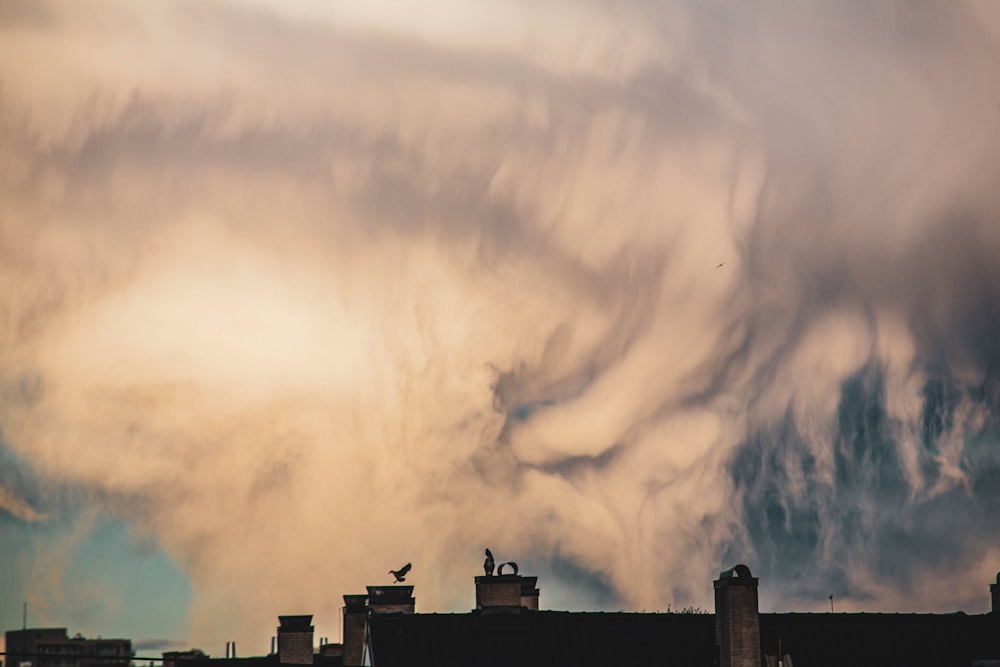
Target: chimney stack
[
  {"x": 995, "y": 596},
  {"x": 529, "y": 593},
  {"x": 295, "y": 640},
  {"x": 737, "y": 622},
  {"x": 355, "y": 619},
  {"x": 388, "y": 599},
  {"x": 506, "y": 594}
]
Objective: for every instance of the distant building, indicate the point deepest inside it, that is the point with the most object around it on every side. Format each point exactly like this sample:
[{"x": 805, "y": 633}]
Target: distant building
[
  {"x": 173, "y": 658},
  {"x": 53, "y": 647}
]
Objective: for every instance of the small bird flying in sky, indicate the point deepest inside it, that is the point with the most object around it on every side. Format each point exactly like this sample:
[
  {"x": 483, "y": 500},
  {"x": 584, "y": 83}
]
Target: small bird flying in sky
[{"x": 400, "y": 574}]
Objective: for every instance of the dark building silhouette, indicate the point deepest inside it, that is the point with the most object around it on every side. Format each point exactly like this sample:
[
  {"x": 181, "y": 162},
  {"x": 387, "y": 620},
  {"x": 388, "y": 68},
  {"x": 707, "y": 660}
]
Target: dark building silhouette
[
  {"x": 504, "y": 631},
  {"x": 878, "y": 640},
  {"x": 53, "y": 647},
  {"x": 506, "y": 627},
  {"x": 173, "y": 658}
]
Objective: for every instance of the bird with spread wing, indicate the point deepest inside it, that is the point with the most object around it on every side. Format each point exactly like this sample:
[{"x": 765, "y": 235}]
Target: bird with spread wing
[{"x": 400, "y": 574}]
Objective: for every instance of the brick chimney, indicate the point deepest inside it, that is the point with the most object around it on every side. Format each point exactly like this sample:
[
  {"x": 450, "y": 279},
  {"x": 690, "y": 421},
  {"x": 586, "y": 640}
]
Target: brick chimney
[
  {"x": 737, "y": 622},
  {"x": 387, "y": 599},
  {"x": 529, "y": 593},
  {"x": 506, "y": 593},
  {"x": 355, "y": 619},
  {"x": 995, "y": 596},
  {"x": 295, "y": 640}
]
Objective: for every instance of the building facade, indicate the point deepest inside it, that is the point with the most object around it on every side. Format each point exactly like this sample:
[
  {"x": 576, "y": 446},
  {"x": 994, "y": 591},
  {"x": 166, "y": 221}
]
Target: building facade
[{"x": 53, "y": 647}]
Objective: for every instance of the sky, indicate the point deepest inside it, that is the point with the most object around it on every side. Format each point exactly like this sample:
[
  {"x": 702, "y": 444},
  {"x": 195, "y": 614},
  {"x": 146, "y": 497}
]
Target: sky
[{"x": 293, "y": 293}]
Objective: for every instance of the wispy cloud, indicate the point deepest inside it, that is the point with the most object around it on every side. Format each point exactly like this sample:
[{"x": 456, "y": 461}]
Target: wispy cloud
[
  {"x": 17, "y": 507},
  {"x": 308, "y": 291}
]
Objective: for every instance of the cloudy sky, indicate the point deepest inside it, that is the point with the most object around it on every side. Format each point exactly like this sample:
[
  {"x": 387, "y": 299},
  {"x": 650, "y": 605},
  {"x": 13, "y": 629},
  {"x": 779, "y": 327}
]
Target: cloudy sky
[{"x": 292, "y": 293}]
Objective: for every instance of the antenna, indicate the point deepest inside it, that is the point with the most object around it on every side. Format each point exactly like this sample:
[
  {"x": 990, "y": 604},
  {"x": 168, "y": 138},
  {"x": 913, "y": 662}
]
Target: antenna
[{"x": 831, "y": 604}]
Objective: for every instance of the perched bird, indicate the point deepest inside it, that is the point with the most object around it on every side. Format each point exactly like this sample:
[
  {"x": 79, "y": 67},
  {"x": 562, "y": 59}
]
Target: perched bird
[
  {"x": 488, "y": 563},
  {"x": 400, "y": 574}
]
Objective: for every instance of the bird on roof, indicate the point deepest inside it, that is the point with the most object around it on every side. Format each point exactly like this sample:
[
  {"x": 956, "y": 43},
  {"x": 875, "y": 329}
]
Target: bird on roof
[
  {"x": 400, "y": 574},
  {"x": 488, "y": 563}
]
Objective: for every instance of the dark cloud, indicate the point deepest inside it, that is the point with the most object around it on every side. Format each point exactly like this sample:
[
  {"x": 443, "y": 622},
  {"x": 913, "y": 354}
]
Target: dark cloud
[{"x": 813, "y": 532}]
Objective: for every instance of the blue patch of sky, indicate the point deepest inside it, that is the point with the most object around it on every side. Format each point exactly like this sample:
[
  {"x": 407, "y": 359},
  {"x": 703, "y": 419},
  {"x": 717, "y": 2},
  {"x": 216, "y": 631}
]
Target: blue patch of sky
[{"x": 91, "y": 576}]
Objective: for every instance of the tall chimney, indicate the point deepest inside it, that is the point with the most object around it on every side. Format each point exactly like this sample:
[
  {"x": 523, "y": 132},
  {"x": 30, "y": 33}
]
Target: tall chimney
[
  {"x": 737, "y": 622},
  {"x": 995, "y": 596},
  {"x": 355, "y": 618},
  {"x": 295, "y": 640}
]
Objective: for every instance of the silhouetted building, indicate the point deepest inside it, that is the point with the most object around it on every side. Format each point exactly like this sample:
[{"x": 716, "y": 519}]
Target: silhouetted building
[
  {"x": 182, "y": 658},
  {"x": 382, "y": 629},
  {"x": 504, "y": 631},
  {"x": 53, "y": 647},
  {"x": 882, "y": 640}
]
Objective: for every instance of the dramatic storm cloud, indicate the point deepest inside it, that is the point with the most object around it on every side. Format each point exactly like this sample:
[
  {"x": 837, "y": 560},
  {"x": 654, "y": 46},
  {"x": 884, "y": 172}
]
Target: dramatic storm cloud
[{"x": 298, "y": 292}]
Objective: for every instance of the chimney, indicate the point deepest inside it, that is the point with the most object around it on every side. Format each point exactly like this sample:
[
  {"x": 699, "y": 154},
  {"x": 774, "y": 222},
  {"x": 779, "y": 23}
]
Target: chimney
[
  {"x": 506, "y": 594},
  {"x": 995, "y": 596},
  {"x": 737, "y": 622},
  {"x": 529, "y": 593},
  {"x": 355, "y": 618},
  {"x": 388, "y": 599},
  {"x": 295, "y": 640}
]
